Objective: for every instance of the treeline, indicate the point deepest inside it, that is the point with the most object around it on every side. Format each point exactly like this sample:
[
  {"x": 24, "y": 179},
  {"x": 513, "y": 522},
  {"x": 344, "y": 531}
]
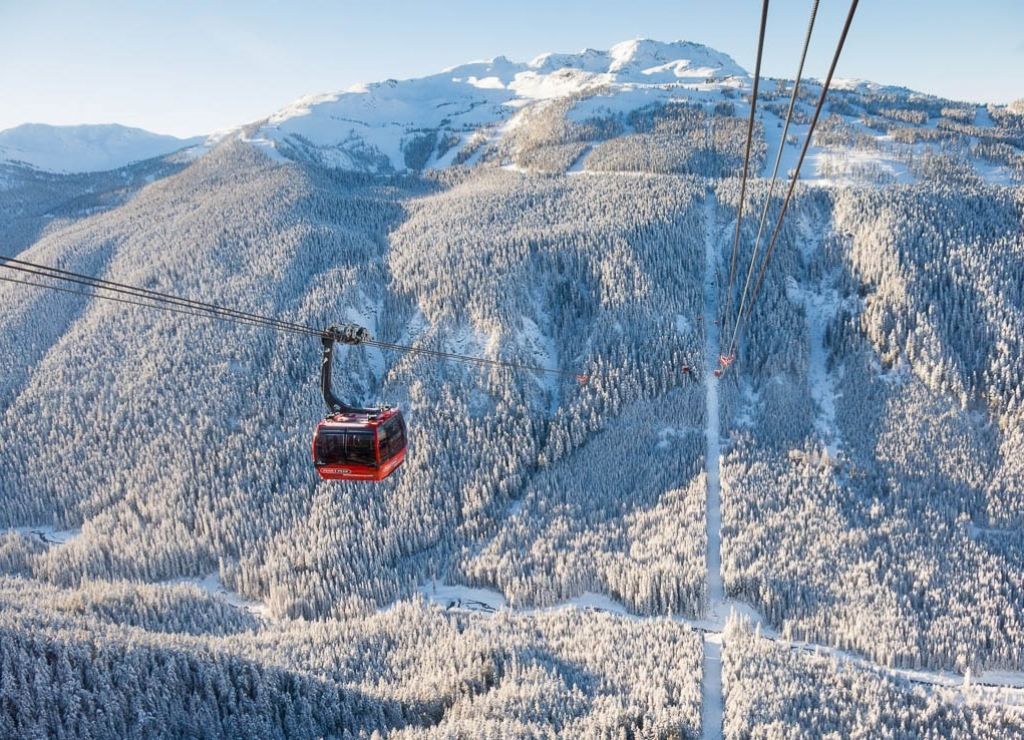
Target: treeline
[
  {"x": 412, "y": 669},
  {"x": 682, "y": 139},
  {"x": 774, "y": 690}
]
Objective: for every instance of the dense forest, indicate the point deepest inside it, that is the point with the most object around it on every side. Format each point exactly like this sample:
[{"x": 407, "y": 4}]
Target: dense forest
[
  {"x": 774, "y": 690},
  {"x": 168, "y": 662},
  {"x": 872, "y": 433}
]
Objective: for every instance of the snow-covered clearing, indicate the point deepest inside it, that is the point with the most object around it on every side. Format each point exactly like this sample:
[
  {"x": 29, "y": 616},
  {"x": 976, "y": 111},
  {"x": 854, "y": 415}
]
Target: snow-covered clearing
[
  {"x": 852, "y": 165},
  {"x": 542, "y": 350},
  {"x": 820, "y": 305},
  {"x": 465, "y": 598},
  {"x": 773, "y": 125},
  {"x": 712, "y": 705},
  {"x": 213, "y": 585},
  {"x": 820, "y": 308},
  {"x": 266, "y": 145},
  {"x": 579, "y": 163},
  {"x": 454, "y": 597},
  {"x": 993, "y": 174},
  {"x": 513, "y": 167},
  {"x": 47, "y": 534}
]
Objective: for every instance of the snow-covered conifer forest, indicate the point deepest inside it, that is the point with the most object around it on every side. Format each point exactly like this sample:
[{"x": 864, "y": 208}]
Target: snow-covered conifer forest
[{"x": 545, "y": 561}]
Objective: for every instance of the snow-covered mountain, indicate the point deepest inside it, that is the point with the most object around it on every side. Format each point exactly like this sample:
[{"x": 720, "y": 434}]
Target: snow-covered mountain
[
  {"x": 850, "y": 490},
  {"x": 548, "y": 114},
  {"x": 85, "y": 148},
  {"x": 424, "y": 122}
]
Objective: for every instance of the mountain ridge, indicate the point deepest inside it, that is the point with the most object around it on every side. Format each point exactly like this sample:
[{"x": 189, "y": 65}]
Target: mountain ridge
[
  {"x": 386, "y": 126},
  {"x": 89, "y": 147},
  {"x": 369, "y": 127},
  {"x": 852, "y": 484}
]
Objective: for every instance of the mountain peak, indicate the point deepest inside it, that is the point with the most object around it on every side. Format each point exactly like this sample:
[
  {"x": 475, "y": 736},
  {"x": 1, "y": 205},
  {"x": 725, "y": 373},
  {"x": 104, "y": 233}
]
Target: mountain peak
[
  {"x": 685, "y": 58},
  {"x": 372, "y": 127}
]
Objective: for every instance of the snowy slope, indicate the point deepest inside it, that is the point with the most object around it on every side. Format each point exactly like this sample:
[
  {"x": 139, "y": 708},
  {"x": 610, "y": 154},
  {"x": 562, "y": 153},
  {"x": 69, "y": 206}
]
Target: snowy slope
[
  {"x": 499, "y": 111},
  {"x": 398, "y": 125},
  {"x": 852, "y": 484},
  {"x": 86, "y": 148}
]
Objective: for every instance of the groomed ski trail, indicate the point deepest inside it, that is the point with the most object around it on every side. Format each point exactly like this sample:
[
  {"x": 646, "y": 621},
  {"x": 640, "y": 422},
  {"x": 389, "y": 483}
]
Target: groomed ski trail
[{"x": 711, "y": 680}]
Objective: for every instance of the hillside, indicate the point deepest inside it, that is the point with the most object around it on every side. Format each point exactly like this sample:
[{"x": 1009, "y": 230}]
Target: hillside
[{"x": 859, "y": 473}]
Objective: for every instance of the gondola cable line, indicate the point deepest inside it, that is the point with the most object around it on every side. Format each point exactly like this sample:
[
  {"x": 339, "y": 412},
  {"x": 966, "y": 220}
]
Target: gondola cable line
[
  {"x": 350, "y": 443},
  {"x": 746, "y": 158},
  {"x": 731, "y": 352},
  {"x": 803, "y": 153},
  {"x": 135, "y": 291},
  {"x": 176, "y": 304},
  {"x": 92, "y": 294}
]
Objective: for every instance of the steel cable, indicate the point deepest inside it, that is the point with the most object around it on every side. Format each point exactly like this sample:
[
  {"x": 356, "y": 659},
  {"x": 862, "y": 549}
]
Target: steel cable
[
  {"x": 774, "y": 177},
  {"x": 803, "y": 153},
  {"x": 746, "y": 158},
  {"x": 184, "y": 306}
]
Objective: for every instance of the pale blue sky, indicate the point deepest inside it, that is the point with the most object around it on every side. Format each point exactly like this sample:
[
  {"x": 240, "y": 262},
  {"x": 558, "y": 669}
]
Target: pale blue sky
[{"x": 188, "y": 67}]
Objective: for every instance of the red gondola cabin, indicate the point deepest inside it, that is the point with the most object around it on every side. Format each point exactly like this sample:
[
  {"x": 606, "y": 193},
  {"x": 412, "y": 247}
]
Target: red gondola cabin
[
  {"x": 354, "y": 443},
  {"x": 359, "y": 446}
]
